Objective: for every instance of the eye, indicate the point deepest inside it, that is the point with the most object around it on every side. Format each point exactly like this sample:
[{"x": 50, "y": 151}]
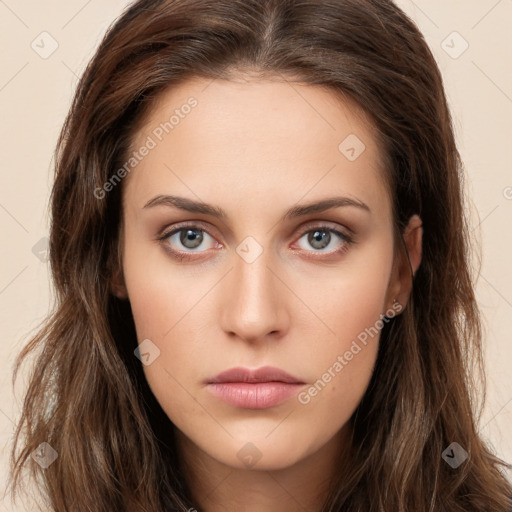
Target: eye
[
  {"x": 187, "y": 239},
  {"x": 183, "y": 241},
  {"x": 321, "y": 237}
]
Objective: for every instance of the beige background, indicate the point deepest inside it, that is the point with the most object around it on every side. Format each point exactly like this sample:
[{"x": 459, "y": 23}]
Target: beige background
[{"x": 35, "y": 93}]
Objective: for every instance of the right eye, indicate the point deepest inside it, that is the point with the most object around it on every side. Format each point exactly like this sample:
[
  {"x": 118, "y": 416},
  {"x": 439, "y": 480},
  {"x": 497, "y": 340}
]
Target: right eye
[{"x": 181, "y": 238}]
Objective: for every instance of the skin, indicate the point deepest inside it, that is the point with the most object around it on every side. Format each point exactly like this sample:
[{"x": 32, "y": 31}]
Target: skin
[{"x": 256, "y": 148}]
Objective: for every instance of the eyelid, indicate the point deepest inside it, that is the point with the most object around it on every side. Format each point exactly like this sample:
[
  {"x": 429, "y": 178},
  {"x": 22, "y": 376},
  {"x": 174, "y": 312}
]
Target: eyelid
[
  {"x": 311, "y": 224},
  {"x": 320, "y": 223},
  {"x": 172, "y": 229}
]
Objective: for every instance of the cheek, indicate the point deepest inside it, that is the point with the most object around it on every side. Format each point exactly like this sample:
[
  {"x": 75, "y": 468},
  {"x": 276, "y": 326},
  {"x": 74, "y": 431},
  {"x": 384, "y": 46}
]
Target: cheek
[
  {"x": 166, "y": 308},
  {"x": 346, "y": 301},
  {"x": 156, "y": 293},
  {"x": 352, "y": 306},
  {"x": 341, "y": 365}
]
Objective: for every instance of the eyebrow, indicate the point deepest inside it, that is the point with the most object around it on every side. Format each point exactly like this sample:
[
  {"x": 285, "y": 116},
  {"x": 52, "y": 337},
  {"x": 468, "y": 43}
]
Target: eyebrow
[{"x": 193, "y": 206}]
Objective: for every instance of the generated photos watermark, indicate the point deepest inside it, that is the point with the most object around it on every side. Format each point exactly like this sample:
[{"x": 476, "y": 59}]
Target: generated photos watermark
[
  {"x": 304, "y": 397},
  {"x": 152, "y": 141}
]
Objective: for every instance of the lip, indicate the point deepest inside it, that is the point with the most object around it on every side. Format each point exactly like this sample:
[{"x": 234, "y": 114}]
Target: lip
[
  {"x": 263, "y": 374},
  {"x": 264, "y": 387}
]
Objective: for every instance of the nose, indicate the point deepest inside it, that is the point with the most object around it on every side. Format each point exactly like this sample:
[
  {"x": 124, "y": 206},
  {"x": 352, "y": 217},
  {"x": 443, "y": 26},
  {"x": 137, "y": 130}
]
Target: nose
[{"x": 254, "y": 301}]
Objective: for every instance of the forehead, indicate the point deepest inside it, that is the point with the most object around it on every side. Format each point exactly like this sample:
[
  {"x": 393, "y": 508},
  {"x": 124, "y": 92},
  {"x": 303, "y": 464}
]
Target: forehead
[{"x": 255, "y": 137}]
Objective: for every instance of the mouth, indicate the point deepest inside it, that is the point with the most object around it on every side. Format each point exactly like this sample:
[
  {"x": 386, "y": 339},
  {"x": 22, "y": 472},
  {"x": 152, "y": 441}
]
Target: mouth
[{"x": 254, "y": 389}]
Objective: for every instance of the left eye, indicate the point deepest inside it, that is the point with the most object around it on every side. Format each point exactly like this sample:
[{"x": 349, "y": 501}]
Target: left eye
[{"x": 320, "y": 237}]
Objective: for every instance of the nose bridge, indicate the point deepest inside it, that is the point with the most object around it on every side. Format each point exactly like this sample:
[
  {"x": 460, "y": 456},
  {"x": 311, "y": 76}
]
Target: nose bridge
[{"x": 253, "y": 306}]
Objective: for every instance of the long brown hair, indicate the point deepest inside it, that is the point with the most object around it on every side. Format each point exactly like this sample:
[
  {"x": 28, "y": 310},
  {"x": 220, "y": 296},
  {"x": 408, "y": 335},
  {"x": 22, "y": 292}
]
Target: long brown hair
[{"x": 88, "y": 397}]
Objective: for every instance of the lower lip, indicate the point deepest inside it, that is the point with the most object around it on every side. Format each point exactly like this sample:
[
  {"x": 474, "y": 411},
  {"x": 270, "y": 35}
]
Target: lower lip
[{"x": 260, "y": 395}]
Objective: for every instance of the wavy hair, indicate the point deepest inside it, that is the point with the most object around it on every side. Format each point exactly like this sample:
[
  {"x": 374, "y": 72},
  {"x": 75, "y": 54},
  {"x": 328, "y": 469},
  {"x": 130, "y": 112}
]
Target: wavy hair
[{"x": 87, "y": 396}]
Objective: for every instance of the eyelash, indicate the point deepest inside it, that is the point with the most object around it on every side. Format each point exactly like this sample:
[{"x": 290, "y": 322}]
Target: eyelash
[{"x": 183, "y": 255}]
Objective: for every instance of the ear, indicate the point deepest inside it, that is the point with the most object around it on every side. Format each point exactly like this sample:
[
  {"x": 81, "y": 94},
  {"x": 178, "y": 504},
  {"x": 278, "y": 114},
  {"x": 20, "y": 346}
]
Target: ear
[{"x": 400, "y": 285}]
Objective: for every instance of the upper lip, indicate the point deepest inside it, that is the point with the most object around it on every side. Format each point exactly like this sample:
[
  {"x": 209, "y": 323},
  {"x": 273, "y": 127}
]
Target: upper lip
[{"x": 263, "y": 374}]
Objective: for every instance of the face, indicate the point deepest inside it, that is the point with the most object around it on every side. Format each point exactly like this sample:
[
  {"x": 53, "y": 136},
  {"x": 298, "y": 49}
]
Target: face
[{"x": 238, "y": 273}]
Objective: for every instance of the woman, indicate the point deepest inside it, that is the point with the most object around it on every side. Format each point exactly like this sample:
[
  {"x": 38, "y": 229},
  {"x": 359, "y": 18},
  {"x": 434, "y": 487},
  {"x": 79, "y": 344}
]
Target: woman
[{"x": 261, "y": 261}]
